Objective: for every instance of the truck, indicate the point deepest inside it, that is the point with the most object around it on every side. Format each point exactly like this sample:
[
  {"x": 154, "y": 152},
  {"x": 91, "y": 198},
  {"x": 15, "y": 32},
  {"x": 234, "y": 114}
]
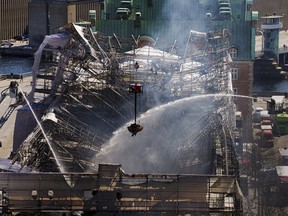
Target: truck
[
  {"x": 277, "y": 104},
  {"x": 281, "y": 123}
]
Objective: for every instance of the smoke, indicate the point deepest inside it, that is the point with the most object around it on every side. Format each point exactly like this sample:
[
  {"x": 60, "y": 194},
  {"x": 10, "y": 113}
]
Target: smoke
[
  {"x": 182, "y": 16},
  {"x": 178, "y": 10},
  {"x": 170, "y": 132}
]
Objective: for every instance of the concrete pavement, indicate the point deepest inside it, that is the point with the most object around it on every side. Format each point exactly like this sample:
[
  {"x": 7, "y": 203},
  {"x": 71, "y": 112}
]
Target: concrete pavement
[{"x": 8, "y": 112}]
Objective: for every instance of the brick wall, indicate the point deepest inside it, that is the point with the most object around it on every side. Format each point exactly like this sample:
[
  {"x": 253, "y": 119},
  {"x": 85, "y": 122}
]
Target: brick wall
[{"x": 244, "y": 86}]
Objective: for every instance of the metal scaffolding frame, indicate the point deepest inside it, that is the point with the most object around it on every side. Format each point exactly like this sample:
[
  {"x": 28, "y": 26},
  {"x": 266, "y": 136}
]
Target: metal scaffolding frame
[
  {"x": 91, "y": 73},
  {"x": 113, "y": 192}
]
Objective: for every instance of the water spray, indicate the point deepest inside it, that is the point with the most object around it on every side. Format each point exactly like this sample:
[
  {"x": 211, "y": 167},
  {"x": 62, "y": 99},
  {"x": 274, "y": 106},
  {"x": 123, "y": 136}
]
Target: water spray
[
  {"x": 43, "y": 132},
  {"x": 176, "y": 137}
]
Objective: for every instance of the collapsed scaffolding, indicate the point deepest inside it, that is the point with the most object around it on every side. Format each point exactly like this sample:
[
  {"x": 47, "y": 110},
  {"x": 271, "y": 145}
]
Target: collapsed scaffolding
[
  {"x": 88, "y": 74},
  {"x": 84, "y": 66}
]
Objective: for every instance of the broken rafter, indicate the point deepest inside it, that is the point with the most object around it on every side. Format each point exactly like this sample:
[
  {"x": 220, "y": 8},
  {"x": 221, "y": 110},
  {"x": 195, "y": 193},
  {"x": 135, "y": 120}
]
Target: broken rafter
[
  {"x": 119, "y": 44},
  {"x": 109, "y": 42},
  {"x": 135, "y": 41},
  {"x": 173, "y": 47}
]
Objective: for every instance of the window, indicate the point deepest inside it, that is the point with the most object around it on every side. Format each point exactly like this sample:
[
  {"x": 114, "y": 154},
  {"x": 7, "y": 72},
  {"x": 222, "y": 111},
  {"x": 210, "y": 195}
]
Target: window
[
  {"x": 234, "y": 73},
  {"x": 233, "y": 52},
  {"x": 235, "y": 93}
]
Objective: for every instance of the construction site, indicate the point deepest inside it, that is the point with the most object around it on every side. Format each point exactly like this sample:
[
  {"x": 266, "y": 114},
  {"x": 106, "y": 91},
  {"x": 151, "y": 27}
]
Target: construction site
[{"x": 88, "y": 91}]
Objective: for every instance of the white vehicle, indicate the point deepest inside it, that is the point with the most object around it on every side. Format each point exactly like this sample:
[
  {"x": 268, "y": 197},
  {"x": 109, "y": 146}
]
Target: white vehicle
[
  {"x": 225, "y": 13},
  {"x": 257, "y": 114},
  {"x": 122, "y": 13},
  {"x": 225, "y": 9},
  {"x": 266, "y": 127},
  {"x": 126, "y": 4},
  {"x": 279, "y": 103},
  {"x": 224, "y": 4},
  {"x": 264, "y": 115}
]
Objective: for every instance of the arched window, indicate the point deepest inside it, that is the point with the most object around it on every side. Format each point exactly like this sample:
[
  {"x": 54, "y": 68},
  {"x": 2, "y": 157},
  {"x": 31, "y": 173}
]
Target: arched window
[
  {"x": 233, "y": 52},
  {"x": 234, "y": 73}
]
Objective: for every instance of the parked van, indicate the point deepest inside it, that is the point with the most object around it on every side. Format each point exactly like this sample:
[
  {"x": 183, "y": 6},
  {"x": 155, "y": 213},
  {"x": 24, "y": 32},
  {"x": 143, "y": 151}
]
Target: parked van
[
  {"x": 225, "y": 9},
  {"x": 126, "y": 4},
  {"x": 225, "y": 13},
  {"x": 264, "y": 115},
  {"x": 122, "y": 13},
  {"x": 224, "y": 4}
]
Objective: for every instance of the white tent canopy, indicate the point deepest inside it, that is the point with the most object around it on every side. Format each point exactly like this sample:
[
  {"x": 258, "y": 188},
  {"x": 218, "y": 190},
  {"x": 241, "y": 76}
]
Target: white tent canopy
[{"x": 149, "y": 51}]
